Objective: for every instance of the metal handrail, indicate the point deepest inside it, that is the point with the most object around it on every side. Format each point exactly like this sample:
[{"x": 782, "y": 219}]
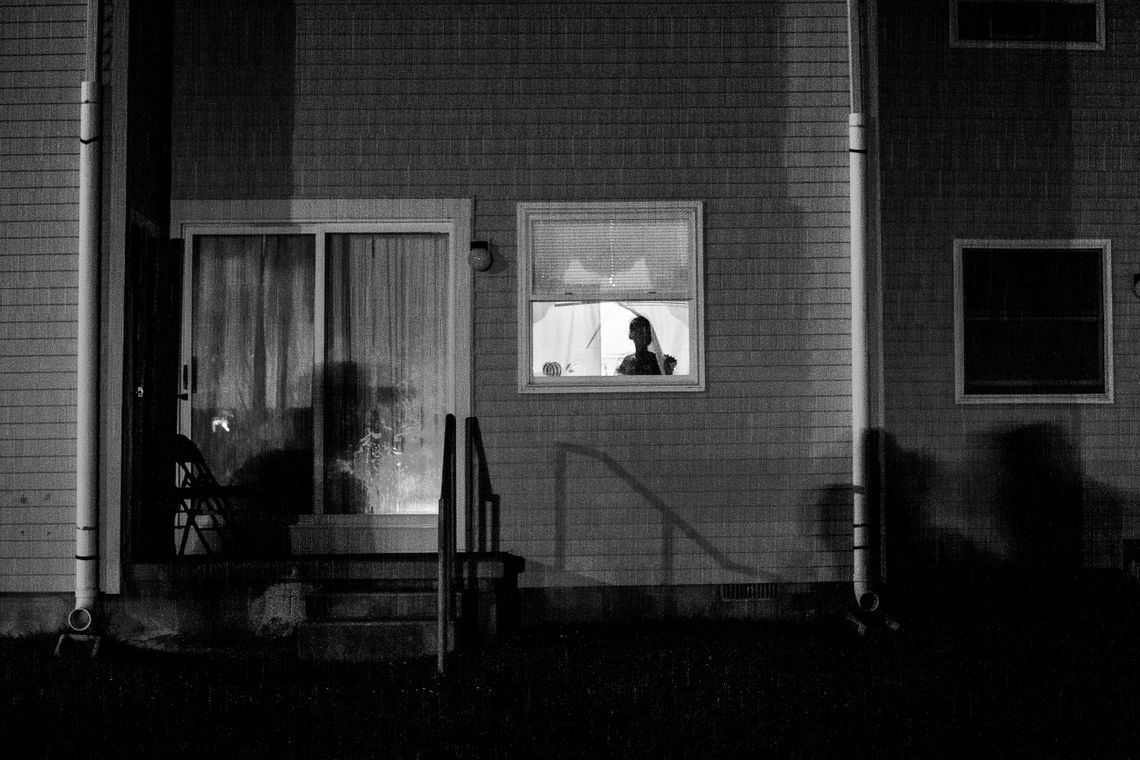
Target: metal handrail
[
  {"x": 477, "y": 537},
  {"x": 445, "y": 543},
  {"x": 482, "y": 534}
]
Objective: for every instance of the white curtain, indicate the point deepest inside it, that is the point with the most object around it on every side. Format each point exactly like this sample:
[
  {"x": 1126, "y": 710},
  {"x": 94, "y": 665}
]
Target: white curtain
[
  {"x": 566, "y": 335},
  {"x": 253, "y": 349},
  {"x": 385, "y": 378},
  {"x": 591, "y": 338}
]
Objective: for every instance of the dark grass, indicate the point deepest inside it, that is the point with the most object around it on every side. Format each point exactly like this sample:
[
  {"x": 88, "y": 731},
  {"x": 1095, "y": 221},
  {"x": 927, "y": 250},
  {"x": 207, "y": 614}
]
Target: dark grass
[{"x": 1037, "y": 682}]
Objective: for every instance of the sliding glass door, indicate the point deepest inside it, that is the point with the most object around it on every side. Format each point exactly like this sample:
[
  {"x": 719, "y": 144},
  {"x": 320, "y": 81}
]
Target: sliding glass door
[{"x": 318, "y": 370}]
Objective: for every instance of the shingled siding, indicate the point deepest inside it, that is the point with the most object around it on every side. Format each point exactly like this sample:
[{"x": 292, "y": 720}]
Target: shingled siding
[
  {"x": 41, "y": 66},
  {"x": 1001, "y": 143},
  {"x": 739, "y": 105}
]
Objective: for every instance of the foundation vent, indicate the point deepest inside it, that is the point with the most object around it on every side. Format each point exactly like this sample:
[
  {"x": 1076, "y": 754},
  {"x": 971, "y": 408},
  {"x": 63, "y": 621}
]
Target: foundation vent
[{"x": 748, "y": 592}]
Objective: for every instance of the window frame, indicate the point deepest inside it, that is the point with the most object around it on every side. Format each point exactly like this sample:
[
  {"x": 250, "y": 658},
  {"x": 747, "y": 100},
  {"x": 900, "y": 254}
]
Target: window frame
[
  {"x": 320, "y": 218},
  {"x": 691, "y": 212},
  {"x": 960, "y": 395},
  {"x": 1099, "y": 44}
]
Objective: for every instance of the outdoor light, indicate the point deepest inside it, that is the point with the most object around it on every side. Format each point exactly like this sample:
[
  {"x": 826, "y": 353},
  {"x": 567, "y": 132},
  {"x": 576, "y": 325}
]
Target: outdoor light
[{"x": 480, "y": 256}]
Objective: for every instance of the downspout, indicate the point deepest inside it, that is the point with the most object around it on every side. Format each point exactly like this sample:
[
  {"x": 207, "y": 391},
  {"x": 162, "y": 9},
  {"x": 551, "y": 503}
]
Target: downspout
[
  {"x": 87, "y": 412},
  {"x": 864, "y": 529}
]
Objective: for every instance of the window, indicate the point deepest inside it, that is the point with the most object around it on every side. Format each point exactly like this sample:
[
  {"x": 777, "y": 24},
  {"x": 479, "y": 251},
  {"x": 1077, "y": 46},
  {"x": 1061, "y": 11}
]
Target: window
[
  {"x": 610, "y": 297},
  {"x": 1074, "y": 24},
  {"x": 1033, "y": 321}
]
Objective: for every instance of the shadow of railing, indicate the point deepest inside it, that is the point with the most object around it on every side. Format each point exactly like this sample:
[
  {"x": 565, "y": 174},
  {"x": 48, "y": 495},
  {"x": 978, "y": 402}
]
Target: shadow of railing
[{"x": 671, "y": 523}]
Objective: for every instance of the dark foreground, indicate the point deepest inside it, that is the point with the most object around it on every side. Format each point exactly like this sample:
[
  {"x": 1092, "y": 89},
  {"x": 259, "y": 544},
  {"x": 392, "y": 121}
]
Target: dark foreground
[{"x": 981, "y": 682}]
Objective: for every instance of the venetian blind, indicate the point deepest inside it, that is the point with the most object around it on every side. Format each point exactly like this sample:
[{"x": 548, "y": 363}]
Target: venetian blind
[{"x": 587, "y": 258}]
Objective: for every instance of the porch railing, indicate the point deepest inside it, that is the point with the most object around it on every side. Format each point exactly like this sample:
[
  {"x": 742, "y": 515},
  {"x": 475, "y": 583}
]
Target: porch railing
[
  {"x": 481, "y": 504},
  {"x": 481, "y": 521},
  {"x": 445, "y": 544}
]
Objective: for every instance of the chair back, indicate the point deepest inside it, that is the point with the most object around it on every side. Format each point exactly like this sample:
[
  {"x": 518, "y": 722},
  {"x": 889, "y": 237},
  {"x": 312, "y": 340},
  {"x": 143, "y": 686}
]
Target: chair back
[{"x": 192, "y": 467}]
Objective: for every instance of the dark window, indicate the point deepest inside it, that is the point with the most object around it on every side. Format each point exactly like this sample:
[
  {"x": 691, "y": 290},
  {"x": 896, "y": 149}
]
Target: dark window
[
  {"x": 1033, "y": 321},
  {"x": 1027, "y": 21}
]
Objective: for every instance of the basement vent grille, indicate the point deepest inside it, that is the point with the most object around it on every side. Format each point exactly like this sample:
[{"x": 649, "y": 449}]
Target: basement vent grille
[{"x": 748, "y": 592}]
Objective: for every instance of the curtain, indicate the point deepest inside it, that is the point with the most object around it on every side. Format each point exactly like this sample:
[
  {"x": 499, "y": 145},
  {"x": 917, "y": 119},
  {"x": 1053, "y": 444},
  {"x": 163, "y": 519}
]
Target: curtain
[
  {"x": 591, "y": 338},
  {"x": 566, "y": 339},
  {"x": 253, "y": 346},
  {"x": 385, "y": 374}
]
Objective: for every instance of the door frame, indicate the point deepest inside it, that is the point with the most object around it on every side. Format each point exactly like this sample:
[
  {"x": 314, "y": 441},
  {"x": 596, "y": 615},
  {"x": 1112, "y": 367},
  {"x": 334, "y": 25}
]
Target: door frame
[{"x": 329, "y": 534}]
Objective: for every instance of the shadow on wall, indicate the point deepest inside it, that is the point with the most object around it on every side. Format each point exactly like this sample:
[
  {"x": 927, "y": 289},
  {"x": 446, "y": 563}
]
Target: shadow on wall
[
  {"x": 1020, "y": 525},
  {"x": 673, "y": 527}
]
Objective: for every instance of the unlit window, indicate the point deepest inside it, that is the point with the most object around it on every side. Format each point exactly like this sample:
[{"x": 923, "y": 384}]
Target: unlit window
[
  {"x": 609, "y": 296},
  {"x": 1028, "y": 23},
  {"x": 1033, "y": 321}
]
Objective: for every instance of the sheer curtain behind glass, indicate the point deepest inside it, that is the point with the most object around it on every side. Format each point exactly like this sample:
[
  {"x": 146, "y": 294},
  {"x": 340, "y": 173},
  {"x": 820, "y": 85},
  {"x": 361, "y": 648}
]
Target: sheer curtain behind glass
[
  {"x": 385, "y": 377},
  {"x": 253, "y": 345}
]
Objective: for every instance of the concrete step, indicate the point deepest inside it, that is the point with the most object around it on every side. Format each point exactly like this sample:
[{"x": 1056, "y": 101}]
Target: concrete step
[
  {"x": 371, "y": 605},
  {"x": 368, "y": 640},
  {"x": 397, "y": 568}
]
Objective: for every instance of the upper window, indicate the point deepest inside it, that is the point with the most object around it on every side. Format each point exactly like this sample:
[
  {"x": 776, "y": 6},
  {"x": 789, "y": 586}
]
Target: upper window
[
  {"x": 1074, "y": 24},
  {"x": 610, "y": 296},
  {"x": 1033, "y": 321}
]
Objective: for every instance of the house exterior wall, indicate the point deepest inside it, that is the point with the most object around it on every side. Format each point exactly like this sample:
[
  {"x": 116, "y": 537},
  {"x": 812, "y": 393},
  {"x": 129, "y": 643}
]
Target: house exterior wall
[
  {"x": 41, "y": 66},
  {"x": 740, "y": 105},
  {"x": 1001, "y": 144}
]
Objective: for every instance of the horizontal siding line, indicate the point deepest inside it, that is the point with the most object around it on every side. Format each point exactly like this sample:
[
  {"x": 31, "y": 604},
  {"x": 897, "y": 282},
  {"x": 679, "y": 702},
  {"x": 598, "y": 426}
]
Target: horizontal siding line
[
  {"x": 668, "y": 12},
  {"x": 682, "y": 75},
  {"x": 34, "y": 287},
  {"x": 14, "y": 32},
  {"x": 518, "y": 75},
  {"x": 549, "y": 43},
  {"x": 577, "y": 85},
  {"x": 54, "y": 203},
  {"x": 471, "y": 117},
  {"x": 34, "y": 321},
  {"x": 39, "y": 239}
]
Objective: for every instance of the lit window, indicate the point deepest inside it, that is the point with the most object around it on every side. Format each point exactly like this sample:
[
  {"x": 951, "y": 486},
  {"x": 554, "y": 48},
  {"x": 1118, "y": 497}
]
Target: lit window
[
  {"x": 1074, "y": 24},
  {"x": 610, "y": 296},
  {"x": 1033, "y": 321}
]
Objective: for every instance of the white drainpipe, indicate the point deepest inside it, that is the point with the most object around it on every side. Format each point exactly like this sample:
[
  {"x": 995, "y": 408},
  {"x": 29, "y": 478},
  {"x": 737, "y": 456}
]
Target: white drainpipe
[
  {"x": 87, "y": 412},
  {"x": 863, "y": 531}
]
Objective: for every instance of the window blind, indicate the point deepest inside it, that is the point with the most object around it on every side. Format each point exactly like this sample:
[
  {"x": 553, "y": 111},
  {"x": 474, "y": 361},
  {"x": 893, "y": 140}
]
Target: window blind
[{"x": 595, "y": 257}]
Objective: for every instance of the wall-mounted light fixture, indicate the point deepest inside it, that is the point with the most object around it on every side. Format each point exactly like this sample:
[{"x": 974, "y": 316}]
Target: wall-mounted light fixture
[{"x": 480, "y": 256}]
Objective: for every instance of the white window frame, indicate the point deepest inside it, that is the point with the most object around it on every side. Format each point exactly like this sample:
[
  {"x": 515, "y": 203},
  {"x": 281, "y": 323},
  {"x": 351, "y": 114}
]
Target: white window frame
[
  {"x": 1099, "y": 44},
  {"x": 321, "y": 218},
  {"x": 1106, "y": 397},
  {"x": 692, "y": 212}
]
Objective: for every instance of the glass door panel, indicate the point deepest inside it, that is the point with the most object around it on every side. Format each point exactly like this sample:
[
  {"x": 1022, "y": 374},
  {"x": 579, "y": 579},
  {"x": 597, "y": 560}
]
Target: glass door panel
[
  {"x": 252, "y": 363},
  {"x": 385, "y": 374}
]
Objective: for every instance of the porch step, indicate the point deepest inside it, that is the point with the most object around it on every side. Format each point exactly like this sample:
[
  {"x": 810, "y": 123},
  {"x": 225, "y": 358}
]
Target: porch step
[
  {"x": 382, "y": 608},
  {"x": 371, "y": 605},
  {"x": 368, "y": 640}
]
